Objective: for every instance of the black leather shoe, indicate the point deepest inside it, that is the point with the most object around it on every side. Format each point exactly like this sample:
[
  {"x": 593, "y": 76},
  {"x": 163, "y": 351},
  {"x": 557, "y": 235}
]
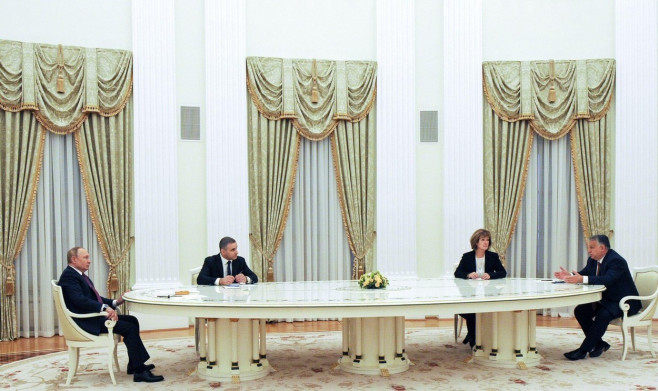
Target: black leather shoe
[
  {"x": 147, "y": 376},
  {"x": 599, "y": 349},
  {"x": 147, "y": 367},
  {"x": 575, "y": 355}
]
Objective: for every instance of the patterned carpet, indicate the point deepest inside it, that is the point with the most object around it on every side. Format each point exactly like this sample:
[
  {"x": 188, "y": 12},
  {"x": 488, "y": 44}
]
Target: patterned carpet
[{"x": 304, "y": 362}]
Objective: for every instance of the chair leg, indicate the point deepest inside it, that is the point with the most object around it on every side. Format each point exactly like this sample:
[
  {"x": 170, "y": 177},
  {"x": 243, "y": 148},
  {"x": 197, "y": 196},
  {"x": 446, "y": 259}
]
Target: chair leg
[
  {"x": 624, "y": 333},
  {"x": 633, "y": 337},
  {"x": 116, "y": 358},
  {"x": 653, "y": 354},
  {"x": 110, "y": 354},
  {"x": 73, "y": 363},
  {"x": 456, "y": 325}
]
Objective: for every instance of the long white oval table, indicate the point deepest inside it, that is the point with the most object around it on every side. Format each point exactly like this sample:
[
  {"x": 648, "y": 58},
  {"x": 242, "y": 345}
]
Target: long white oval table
[{"x": 233, "y": 337}]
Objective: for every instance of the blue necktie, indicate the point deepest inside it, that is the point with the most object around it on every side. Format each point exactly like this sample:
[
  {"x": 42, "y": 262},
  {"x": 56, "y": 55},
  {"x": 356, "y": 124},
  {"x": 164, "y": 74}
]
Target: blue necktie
[{"x": 228, "y": 269}]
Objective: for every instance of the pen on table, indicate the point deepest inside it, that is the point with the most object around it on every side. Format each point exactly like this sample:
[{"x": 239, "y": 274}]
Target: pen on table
[{"x": 168, "y": 296}]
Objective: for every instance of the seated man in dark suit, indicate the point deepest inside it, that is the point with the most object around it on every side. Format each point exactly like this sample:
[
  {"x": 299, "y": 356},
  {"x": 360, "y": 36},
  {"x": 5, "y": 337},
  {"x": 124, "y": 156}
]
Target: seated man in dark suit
[
  {"x": 81, "y": 297},
  {"x": 226, "y": 267},
  {"x": 604, "y": 267}
]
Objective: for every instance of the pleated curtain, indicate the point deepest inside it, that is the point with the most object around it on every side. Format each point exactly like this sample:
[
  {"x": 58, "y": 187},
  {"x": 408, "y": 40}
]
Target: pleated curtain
[
  {"x": 63, "y": 89},
  {"x": 60, "y": 220},
  {"x": 551, "y": 99},
  {"x": 290, "y": 99}
]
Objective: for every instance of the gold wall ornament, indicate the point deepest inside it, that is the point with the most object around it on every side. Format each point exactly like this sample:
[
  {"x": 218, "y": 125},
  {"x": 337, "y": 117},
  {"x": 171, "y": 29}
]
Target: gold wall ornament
[
  {"x": 552, "y": 96},
  {"x": 315, "y": 93},
  {"x": 60, "y": 69}
]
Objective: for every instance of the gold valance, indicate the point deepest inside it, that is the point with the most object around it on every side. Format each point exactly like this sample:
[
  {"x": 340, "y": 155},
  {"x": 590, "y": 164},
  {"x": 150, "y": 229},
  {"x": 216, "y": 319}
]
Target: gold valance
[
  {"x": 552, "y": 95},
  {"x": 313, "y": 94},
  {"x": 62, "y": 84}
]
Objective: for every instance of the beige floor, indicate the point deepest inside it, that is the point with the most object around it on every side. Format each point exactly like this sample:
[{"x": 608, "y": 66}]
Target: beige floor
[{"x": 29, "y": 347}]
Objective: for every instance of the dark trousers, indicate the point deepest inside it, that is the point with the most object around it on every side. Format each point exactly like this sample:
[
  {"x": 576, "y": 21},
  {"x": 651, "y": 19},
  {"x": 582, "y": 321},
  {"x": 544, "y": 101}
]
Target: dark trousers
[
  {"x": 470, "y": 323},
  {"x": 128, "y": 327},
  {"x": 593, "y": 319}
]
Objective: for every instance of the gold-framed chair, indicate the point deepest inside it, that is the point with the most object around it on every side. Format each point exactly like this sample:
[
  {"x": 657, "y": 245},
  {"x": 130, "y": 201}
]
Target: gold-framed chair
[
  {"x": 77, "y": 338},
  {"x": 646, "y": 281}
]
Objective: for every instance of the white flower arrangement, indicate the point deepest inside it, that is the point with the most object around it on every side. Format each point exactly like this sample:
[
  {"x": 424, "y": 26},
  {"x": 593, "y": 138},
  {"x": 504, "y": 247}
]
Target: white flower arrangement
[{"x": 373, "y": 280}]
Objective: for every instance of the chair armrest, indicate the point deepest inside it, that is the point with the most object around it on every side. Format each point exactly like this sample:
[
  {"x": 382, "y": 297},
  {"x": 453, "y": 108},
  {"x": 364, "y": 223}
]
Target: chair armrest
[
  {"x": 89, "y": 315},
  {"x": 625, "y": 307}
]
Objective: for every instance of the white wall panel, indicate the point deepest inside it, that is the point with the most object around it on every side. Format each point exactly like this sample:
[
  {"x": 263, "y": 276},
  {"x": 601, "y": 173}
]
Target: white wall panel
[
  {"x": 226, "y": 125},
  {"x": 462, "y": 125},
  {"x": 155, "y": 144},
  {"x": 396, "y": 142},
  {"x": 636, "y": 189}
]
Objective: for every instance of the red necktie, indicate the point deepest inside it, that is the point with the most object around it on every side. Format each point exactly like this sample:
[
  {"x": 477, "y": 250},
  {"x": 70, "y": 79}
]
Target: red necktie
[{"x": 98, "y": 297}]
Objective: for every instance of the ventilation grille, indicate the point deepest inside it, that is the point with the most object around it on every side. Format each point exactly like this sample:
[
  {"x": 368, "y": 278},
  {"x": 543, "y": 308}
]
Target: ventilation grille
[
  {"x": 190, "y": 123},
  {"x": 429, "y": 126}
]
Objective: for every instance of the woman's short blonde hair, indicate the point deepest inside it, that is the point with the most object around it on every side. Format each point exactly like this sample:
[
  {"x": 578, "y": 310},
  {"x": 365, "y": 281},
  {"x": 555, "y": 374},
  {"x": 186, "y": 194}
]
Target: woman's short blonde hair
[{"x": 479, "y": 234}]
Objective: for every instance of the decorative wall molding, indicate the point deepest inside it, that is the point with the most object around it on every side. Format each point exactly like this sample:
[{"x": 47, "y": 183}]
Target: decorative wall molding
[
  {"x": 155, "y": 144},
  {"x": 226, "y": 124},
  {"x": 636, "y": 179},
  {"x": 396, "y": 139},
  {"x": 462, "y": 126}
]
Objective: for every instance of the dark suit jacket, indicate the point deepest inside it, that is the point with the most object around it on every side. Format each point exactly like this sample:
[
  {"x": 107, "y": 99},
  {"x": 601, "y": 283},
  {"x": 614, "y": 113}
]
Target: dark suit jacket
[
  {"x": 80, "y": 299},
  {"x": 618, "y": 281},
  {"x": 492, "y": 265},
  {"x": 213, "y": 269}
]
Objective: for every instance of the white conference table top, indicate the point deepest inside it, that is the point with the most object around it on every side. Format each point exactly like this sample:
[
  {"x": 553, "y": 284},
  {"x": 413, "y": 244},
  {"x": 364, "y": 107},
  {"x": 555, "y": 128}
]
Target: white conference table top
[{"x": 403, "y": 297}]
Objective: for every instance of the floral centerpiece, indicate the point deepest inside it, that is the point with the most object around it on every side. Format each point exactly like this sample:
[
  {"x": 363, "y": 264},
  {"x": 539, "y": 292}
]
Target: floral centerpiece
[{"x": 373, "y": 280}]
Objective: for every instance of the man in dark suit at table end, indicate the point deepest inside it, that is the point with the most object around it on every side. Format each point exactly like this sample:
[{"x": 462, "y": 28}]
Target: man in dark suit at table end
[
  {"x": 604, "y": 267},
  {"x": 226, "y": 267},
  {"x": 81, "y": 297}
]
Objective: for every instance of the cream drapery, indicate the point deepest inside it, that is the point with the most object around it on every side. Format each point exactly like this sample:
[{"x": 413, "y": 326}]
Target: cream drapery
[
  {"x": 313, "y": 98},
  {"x": 58, "y": 88},
  {"x": 21, "y": 150},
  {"x": 523, "y": 92}
]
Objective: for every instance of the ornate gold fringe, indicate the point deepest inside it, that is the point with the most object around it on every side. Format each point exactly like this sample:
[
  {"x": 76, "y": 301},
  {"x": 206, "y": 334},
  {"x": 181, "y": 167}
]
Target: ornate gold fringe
[
  {"x": 604, "y": 112},
  {"x": 18, "y": 107},
  {"x": 494, "y": 106},
  {"x": 314, "y": 136},
  {"x": 359, "y": 116},
  {"x": 261, "y": 109},
  {"x": 62, "y": 130},
  {"x": 111, "y": 112}
]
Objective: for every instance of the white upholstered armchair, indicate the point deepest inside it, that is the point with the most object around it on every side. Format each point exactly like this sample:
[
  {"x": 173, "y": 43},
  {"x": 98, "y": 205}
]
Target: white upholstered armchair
[{"x": 646, "y": 281}]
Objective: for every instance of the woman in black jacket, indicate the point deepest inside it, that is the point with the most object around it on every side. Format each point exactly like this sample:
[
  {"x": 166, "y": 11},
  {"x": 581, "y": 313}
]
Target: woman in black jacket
[{"x": 478, "y": 264}]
